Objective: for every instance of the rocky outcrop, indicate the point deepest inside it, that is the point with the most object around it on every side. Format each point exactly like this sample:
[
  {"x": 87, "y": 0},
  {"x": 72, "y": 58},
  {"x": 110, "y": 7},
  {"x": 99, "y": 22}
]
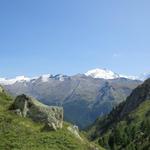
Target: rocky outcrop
[{"x": 26, "y": 106}]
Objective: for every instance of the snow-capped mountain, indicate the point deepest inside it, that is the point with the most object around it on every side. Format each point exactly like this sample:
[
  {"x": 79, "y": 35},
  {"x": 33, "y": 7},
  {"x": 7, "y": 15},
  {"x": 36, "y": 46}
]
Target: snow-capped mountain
[
  {"x": 45, "y": 77},
  {"x": 42, "y": 78},
  {"x": 144, "y": 76},
  {"x": 108, "y": 74},
  {"x": 94, "y": 73},
  {"x": 13, "y": 80},
  {"x": 102, "y": 73},
  {"x": 130, "y": 77}
]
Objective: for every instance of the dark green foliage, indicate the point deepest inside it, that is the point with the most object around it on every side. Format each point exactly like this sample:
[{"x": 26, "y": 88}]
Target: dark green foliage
[
  {"x": 145, "y": 126},
  {"x": 128, "y": 136}
]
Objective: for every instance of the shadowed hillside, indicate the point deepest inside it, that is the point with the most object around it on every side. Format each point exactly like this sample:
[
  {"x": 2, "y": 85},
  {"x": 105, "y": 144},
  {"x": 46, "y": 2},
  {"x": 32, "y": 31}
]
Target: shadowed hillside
[{"x": 128, "y": 125}]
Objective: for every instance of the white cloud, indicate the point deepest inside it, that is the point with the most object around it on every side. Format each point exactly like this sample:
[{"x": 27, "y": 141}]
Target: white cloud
[{"x": 116, "y": 55}]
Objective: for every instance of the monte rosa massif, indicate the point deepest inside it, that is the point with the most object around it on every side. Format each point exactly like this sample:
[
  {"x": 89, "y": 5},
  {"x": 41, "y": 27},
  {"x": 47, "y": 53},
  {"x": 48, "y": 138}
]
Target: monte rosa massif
[{"x": 84, "y": 97}]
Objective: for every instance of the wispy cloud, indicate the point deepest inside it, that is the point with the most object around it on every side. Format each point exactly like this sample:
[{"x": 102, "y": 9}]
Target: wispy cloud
[{"x": 116, "y": 55}]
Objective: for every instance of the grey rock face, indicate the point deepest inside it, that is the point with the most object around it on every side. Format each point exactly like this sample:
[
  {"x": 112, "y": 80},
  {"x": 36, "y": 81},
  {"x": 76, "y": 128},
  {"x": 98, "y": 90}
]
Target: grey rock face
[{"x": 26, "y": 106}]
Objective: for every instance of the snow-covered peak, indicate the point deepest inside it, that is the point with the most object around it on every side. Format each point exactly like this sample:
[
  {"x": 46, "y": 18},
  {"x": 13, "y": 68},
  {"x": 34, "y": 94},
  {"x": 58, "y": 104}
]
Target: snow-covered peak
[
  {"x": 141, "y": 77},
  {"x": 42, "y": 78},
  {"x": 45, "y": 77},
  {"x": 108, "y": 74},
  {"x": 60, "y": 77},
  {"x": 144, "y": 76},
  {"x": 13, "y": 80},
  {"x": 22, "y": 78},
  {"x": 130, "y": 77},
  {"x": 102, "y": 73}
]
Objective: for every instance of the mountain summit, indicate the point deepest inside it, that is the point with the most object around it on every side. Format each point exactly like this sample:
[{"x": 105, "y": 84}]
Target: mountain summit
[{"x": 102, "y": 73}]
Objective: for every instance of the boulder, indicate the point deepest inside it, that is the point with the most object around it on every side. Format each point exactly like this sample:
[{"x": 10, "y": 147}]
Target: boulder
[{"x": 26, "y": 106}]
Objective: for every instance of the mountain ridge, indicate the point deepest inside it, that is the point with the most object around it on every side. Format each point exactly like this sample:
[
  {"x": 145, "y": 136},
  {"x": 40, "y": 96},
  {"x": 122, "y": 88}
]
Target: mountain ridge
[{"x": 94, "y": 73}]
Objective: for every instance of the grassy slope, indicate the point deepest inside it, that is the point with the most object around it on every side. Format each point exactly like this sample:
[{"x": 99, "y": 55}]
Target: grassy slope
[{"x": 18, "y": 133}]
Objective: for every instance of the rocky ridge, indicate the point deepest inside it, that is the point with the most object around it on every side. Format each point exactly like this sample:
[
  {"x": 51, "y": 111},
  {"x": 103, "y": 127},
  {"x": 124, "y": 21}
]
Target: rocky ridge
[{"x": 26, "y": 106}]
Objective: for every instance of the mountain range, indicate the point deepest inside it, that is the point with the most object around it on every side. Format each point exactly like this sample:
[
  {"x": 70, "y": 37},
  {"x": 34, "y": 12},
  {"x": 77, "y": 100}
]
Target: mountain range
[
  {"x": 84, "y": 97},
  {"x": 94, "y": 73},
  {"x": 121, "y": 107}
]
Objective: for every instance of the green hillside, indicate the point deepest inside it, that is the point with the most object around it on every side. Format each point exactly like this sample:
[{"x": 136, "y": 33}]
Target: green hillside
[
  {"x": 17, "y": 133},
  {"x": 127, "y": 127}
]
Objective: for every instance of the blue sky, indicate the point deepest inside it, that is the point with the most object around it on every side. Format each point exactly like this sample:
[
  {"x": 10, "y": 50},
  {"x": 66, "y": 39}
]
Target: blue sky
[{"x": 72, "y": 36}]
